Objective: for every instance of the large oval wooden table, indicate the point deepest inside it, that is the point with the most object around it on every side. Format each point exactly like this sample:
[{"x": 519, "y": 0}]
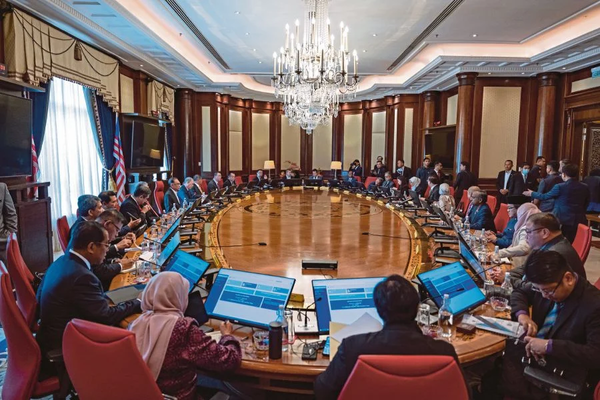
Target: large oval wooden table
[{"x": 317, "y": 224}]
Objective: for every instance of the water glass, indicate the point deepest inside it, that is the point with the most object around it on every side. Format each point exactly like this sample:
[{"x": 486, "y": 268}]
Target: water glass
[
  {"x": 423, "y": 317},
  {"x": 499, "y": 303},
  {"x": 261, "y": 340},
  {"x": 488, "y": 287},
  {"x": 143, "y": 271}
]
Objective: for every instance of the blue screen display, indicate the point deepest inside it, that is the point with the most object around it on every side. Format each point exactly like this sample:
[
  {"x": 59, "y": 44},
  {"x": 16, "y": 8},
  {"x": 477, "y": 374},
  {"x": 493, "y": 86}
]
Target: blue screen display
[
  {"x": 471, "y": 259},
  {"x": 169, "y": 249},
  {"x": 189, "y": 266}
]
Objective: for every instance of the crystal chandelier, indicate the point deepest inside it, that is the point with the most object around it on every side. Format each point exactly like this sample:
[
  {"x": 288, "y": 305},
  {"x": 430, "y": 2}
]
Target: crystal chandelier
[{"x": 310, "y": 73}]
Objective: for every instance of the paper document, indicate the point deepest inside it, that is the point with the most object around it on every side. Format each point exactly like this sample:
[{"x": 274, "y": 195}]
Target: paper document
[
  {"x": 365, "y": 324},
  {"x": 146, "y": 256},
  {"x": 500, "y": 326}
]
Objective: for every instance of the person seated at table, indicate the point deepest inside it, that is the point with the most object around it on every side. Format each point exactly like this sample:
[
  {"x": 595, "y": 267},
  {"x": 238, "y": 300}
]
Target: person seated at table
[
  {"x": 465, "y": 209},
  {"x": 112, "y": 221},
  {"x": 414, "y": 183},
  {"x": 289, "y": 174},
  {"x": 315, "y": 175},
  {"x": 397, "y": 302},
  {"x": 480, "y": 216},
  {"x": 174, "y": 347},
  {"x": 559, "y": 312},
  {"x": 356, "y": 168},
  {"x": 213, "y": 184},
  {"x": 446, "y": 201},
  {"x": 185, "y": 191},
  {"x": 88, "y": 208},
  {"x": 519, "y": 248},
  {"x": 434, "y": 188},
  {"x": 379, "y": 170},
  {"x": 504, "y": 238},
  {"x": 230, "y": 181},
  {"x": 70, "y": 289},
  {"x": 171, "y": 200},
  {"x": 197, "y": 187},
  {"x": 260, "y": 180},
  {"x": 388, "y": 183},
  {"x": 375, "y": 185},
  {"x": 136, "y": 206},
  {"x": 350, "y": 180}
]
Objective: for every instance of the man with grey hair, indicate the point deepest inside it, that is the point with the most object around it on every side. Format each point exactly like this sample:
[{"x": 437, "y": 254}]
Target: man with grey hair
[
  {"x": 480, "y": 215},
  {"x": 89, "y": 207},
  {"x": 185, "y": 191},
  {"x": 197, "y": 187}
]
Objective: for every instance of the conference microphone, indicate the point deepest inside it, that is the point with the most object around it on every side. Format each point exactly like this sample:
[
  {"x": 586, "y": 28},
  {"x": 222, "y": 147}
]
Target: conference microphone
[
  {"x": 306, "y": 328},
  {"x": 381, "y": 235}
]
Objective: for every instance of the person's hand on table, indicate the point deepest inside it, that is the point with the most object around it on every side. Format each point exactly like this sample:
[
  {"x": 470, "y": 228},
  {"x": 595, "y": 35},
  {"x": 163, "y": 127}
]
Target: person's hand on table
[
  {"x": 536, "y": 347},
  {"x": 127, "y": 262},
  {"x": 131, "y": 236},
  {"x": 226, "y": 328},
  {"x": 527, "y": 193},
  {"x": 528, "y": 325},
  {"x": 125, "y": 243},
  {"x": 496, "y": 275},
  {"x": 133, "y": 223},
  {"x": 491, "y": 236}
]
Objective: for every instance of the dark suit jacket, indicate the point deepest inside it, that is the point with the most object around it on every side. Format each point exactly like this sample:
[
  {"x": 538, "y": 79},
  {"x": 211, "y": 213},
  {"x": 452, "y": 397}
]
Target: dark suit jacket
[
  {"x": 106, "y": 272},
  {"x": 357, "y": 170},
  {"x": 196, "y": 191},
  {"x": 517, "y": 185},
  {"x": 407, "y": 173},
  {"x": 464, "y": 180},
  {"x": 227, "y": 183},
  {"x": 576, "y": 333},
  {"x": 434, "y": 194},
  {"x": 423, "y": 173},
  {"x": 388, "y": 184},
  {"x": 537, "y": 175},
  {"x": 593, "y": 183},
  {"x": 130, "y": 206},
  {"x": 352, "y": 182},
  {"x": 394, "y": 339},
  {"x": 70, "y": 290},
  {"x": 259, "y": 182},
  {"x": 379, "y": 172},
  {"x": 480, "y": 217},
  {"x": 212, "y": 186},
  {"x": 500, "y": 185},
  {"x": 571, "y": 199},
  {"x": 171, "y": 199},
  {"x": 373, "y": 187},
  {"x": 545, "y": 186}
]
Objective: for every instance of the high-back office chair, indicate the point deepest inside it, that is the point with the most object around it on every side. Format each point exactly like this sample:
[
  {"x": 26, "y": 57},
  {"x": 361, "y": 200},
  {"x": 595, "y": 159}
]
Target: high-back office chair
[
  {"x": 427, "y": 191},
  {"x": 369, "y": 180},
  {"x": 204, "y": 186},
  {"x": 404, "y": 377},
  {"x": 464, "y": 201},
  {"x": 104, "y": 362},
  {"x": 583, "y": 241},
  {"x": 159, "y": 197},
  {"x": 26, "y": 300},
  {"x": 238, "y": 180},
  {"x": 358, "y": 178},
  {"x": 14, "y": 256},
  {"x": 21, "y": 379},
  {"x": 492, "y": 202},
  {"x": 251, "y": 177},
  {"x": 62, "y": 226},
  {"x": 502, "y": 218}
]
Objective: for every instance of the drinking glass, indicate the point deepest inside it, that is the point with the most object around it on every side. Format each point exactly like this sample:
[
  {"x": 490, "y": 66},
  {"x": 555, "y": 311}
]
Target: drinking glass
[
  {"x": 488, "y": 286},
  {"x": 423, "y": 317},
  {"x": 261, "y": 340}
]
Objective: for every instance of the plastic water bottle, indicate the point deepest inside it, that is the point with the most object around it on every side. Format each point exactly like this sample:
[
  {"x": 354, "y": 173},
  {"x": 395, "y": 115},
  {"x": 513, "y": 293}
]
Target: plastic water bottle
[
  {"x": 506, "y": 285},
  {"x": 496, "y": 256},
  {"x": 284, "y": 326},
  {"x": 185, "y": 204},
  {"x": 467, "y": 226},
  {"x": 445, "y": 318}
]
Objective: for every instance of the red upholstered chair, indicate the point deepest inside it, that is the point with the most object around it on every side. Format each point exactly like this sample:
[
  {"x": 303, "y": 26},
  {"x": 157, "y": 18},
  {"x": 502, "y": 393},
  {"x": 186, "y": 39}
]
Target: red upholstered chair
[
  {"x": 396, "y": 184},
  {"x": 502, "y": 218},
  {"x": 583, "y": 241},
  {"x": 21, "y": 379},
  {"x": 104, "y": 362},
  {"x": 597, "y": 284},
  {"x": 406, "y": 377},
  {"x": 427, "y": 191},
  {"x": 251, "y": 177},
  {"x": 358, "y": 178},
  {"x": 464, "y": 200},
  {"x": 369, "y": 180},
  {"x": 26, "y": 300},
  {"x": 159, "y": 197},
  {"x": 451, "y": 191},
  {"x": 15, "y": 257},
  {"x": 597, "y": 392},
  {"x": 492, "y": 201},
  {"x": 62, "y": 226},
  {"x": 238, "y": 180},
  {"x": 204, "y": 186}
]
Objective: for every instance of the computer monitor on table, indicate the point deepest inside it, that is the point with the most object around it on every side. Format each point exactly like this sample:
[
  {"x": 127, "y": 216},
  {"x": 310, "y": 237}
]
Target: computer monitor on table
[
  {"x": 452, "y": 279},
  {"x": 471, "y": 260},
  {"x": 189, "y": 266},
  {"x": 169, "y": 250},
  {"x": 248, "y": 298},
  {"x": 343, "y": 300},
  {"x": 171, "y": 231}
]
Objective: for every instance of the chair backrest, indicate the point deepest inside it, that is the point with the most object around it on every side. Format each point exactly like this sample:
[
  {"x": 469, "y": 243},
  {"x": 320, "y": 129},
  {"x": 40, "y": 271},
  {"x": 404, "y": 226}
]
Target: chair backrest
[
  {"x": 14, "y": 256},
  {"x": 396, "y": 184},
  {"x": 464, "y": 201},
  {"x": 251, "y": 177},
  {"x": 427, "y": 191},
  {"x": 159, "y": 197},
  {"x": 24, "y": 366},
  {"x": 238, "y": 180},
  {"x": 220, "y": 183},
  {"x": 101, "y": 358},
  {"x": 452, "y": 191},
  {"x": 369, "y": 180},
  {"x": 583, "y": 241},
  {"x": 492, "y": 202},
  {"x": 204, "y": 186},
  {"x": 502, "y": 218},
  {"x": 415, "y": 377},
  {"x": 62, "y": 226},
  {"x": 358, "y": 178},
  {"x": 26, "y": 300},
  {"x": 597, "y": 284}
]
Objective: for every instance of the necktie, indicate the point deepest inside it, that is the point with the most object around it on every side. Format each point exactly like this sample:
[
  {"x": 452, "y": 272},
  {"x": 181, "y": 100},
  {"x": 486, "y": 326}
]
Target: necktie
[{"x": 548, "y": 322}]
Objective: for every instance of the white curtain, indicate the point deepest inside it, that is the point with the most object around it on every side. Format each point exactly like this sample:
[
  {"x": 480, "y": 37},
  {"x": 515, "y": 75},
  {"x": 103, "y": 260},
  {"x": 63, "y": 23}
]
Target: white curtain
[{"x": 69, "y": 158}]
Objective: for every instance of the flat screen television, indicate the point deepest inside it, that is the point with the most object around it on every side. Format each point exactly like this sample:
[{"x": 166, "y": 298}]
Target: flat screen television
[
  {"x": 15, "y": 136},
  {"x": 147, "y": 145},
  {"x": 440, "y": 147}
]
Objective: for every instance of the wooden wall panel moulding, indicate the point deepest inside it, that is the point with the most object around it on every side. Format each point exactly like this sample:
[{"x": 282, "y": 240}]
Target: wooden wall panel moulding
[
  {"x": 247, "y": 137},
  {"x": 389, "y": 137},
  {"x": 400, "y": 134},
  {"x": 214, "y": 137},
  {"x": 367, "y": 136},
  {"x": 183, "y": 141},
  {"x": 464, "y": 119}
]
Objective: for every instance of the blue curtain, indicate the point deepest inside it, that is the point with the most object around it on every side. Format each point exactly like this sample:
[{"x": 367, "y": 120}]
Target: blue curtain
[
  {"x": 39, "y": 105},
  {"x": 169, "y": 146},
  {"x": 103, "y": 119}
]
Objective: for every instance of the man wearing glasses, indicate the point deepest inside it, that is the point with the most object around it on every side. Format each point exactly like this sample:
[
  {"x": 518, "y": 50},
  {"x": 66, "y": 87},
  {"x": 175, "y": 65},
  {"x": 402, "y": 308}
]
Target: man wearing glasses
[{"x": 563, "y": 328}]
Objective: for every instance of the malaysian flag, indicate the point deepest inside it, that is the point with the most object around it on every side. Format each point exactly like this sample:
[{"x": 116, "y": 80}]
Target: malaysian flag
[
  {"x": 35, "y": 169},
  {"x": 120, "y": 176}
]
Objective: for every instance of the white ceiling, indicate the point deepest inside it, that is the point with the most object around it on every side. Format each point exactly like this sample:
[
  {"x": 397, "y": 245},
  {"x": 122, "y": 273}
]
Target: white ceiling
[{"x": 227, "y": 60}]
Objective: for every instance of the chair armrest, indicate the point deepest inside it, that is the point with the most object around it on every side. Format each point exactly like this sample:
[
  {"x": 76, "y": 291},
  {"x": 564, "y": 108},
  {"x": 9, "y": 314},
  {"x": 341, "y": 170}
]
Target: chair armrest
[
  {"x": 55, "y": 356},
  {"x": 167, "y": 397}
]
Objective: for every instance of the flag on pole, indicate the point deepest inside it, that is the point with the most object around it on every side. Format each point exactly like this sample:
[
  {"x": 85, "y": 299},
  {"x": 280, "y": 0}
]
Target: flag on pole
[
  {"x": 120, "y": 176},
  {"x": 35, "y": 169}
]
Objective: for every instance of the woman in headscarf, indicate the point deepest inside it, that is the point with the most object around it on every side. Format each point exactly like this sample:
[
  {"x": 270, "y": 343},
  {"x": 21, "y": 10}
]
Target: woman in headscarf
[
  {"x": 446, "y": 201},
  {"x": 414, "y": 183},
  {"x": 173, "y": 346},
  {"x": 519, "y": 249}
]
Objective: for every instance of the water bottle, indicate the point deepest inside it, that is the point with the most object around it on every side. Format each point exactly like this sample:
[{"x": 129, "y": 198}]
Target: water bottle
[
  {"x": 467, "y": 226},
  {"x": 506, "y": 285},
  {"x": 289, "y": 318},
  {"x": 284, "y": 327},
  {"x": 496, "y": 256},
  {"x": 445, "y": 318},
  {"x": 185, "y": 204}
]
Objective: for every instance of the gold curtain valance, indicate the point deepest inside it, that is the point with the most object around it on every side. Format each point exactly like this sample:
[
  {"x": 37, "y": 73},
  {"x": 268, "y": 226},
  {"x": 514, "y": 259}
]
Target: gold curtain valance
[
  {"x": 161, "y": 98},
  {"x": 36, "y": 52}
]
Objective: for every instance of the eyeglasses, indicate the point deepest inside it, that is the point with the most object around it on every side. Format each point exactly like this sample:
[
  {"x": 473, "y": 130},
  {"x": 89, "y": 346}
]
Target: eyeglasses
[
  {"x": 107, "y": 245},
  {"x": 547, "y": 292},
  {"x": 528, "y": 232}
]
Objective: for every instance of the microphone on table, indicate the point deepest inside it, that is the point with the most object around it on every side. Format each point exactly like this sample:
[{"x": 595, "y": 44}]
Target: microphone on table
[{"x": 305, "y": 327}]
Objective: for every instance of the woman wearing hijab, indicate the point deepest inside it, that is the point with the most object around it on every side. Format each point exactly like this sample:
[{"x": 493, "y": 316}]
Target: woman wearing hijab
[
  {"x": 519, "y": 249},
  {"x": 414, "y": 183},
  {"x": 173, "y": 346},
  {"x": 446, "y": 202}
]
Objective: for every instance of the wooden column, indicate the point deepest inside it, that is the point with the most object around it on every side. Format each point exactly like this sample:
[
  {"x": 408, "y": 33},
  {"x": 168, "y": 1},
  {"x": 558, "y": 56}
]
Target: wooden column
[
  {"x": 544, "y": 123},
  {"x": 464, "y": 118},
  {"x": 140, "y": 93},
  {"x": 429, "y": 100},
  {"x": 182, "y": 141},
  {"x": 389, "y": 132}
]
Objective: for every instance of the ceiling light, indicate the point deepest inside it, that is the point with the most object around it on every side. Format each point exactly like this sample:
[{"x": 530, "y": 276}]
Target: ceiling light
[
  {"x": 237, "y": 13},
  {"x": 374, "y": 35},
  {"x": 489, "y": 73},
  {"x": 260, "y": 62},
  {"x": 247, "y": 33},
  {"x": 474, "y": 35},
  {"x": 364, "y": 51},
  {"x": 141, "y": 65},
  {"x": 564, "y": 67},
  {"x": 253, "y": 49},
  {"x": 522, "y": 73}
]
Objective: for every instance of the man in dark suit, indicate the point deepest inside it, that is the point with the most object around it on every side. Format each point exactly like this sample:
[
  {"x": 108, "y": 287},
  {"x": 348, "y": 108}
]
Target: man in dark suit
[
  {"x": 480, "y": 216},
  {"x": 70, "y": 289},
  {"x": 552, "y": 178},
  {"x": 171, "y": 199},
  {"x": 423, "y": 174},
  {"x": 197, "y": 187},
  {"x": 375, "y": 185},
  {"x": 593, "y": 183},
  {"x": 563, "y": 328},
  {"x": 503, "y": 180},
  {"x": 464, "y": 180},
  {"x": 388, "y": 183},
  {"x": 89, "y": 207},
  {"x": 137, "y": 206},
  {"x": 538, "y": 172},
  {"x": 230, "y": 181},
  {"x": 260, "y": 180},
  {"x": 438, "y": 169},
  {"x": 403, "y": 170},
  {"x": 397, "y": 302},
  {"x": 213, "y": 184},
  {"x": 350, "y": 180},
  {"x": 520, "y": 181},
  {"x": 571, "y": 199},
  {"x": 379, "y": 170},
  {"x": 434, "y": 189}
]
